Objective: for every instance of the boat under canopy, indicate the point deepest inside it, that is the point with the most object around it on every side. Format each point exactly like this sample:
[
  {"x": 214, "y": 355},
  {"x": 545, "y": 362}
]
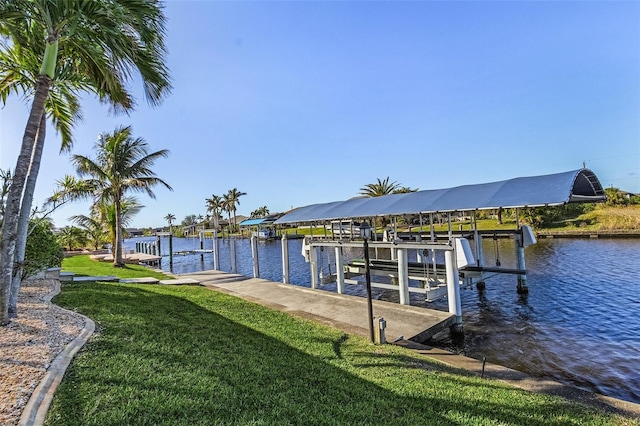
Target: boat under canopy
[{"x": 535, "y": 191}]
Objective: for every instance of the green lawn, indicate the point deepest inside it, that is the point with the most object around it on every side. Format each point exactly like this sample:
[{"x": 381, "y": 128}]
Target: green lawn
[
  {"x": 83, "y": 265},
  {"x": 191, "y": 356}
]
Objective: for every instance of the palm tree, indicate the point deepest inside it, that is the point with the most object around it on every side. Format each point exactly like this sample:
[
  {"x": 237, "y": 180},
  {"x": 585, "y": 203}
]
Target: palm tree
[
  {"x": 233, "y": 199},
  {"x": 122, "y": 164},
  {"x": 260, "y": 212},
  {"x": 170, "y": 218},
  {"x": 380, "y": 188},
  {"x": 129, "y": 207},
  {"x": 71, "y": 237},
  {"x": 404, "y": 190},
  {"x": 93, "y": 228},
  {"x": 103, "y": 43},
  {"x": 215, "y": 205},
  {"x": 19, "y": 69},
  {"x": 228, "y": 206}
]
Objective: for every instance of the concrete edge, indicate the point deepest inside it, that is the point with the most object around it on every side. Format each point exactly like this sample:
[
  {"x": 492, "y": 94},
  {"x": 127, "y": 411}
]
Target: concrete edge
[
  {"x": 524, "y": 381},
  {"x": 36, "y": 409}
]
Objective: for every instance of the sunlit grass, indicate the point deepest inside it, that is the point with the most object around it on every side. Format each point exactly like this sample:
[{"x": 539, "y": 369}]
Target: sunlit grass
[
  {"x": 84, "y": 265},
  {"x": 191, "y": 356}
]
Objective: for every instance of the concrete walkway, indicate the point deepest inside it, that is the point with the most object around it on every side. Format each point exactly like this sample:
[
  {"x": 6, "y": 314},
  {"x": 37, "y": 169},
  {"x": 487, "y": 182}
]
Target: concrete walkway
[{"x": 342, "y": 311}]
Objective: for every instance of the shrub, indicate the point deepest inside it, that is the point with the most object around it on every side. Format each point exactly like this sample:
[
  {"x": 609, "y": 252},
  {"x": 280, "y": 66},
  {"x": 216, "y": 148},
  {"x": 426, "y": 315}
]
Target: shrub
[{"x": 42, "y": 250}]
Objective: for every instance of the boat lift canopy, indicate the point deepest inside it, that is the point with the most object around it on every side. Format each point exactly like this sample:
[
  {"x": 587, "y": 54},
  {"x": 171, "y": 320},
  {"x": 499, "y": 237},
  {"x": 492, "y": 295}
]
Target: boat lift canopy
[{"x": 536, "y": 191}]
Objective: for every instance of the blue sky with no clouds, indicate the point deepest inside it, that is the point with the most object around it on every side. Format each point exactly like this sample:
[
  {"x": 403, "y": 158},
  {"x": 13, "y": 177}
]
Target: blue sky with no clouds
[{"x": 298, "y": 103}]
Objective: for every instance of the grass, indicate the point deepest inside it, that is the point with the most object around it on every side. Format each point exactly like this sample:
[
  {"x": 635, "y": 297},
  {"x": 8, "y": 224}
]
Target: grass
[
  {"x": 191, "y": 356},
  {"x": 83, "y": 265}
]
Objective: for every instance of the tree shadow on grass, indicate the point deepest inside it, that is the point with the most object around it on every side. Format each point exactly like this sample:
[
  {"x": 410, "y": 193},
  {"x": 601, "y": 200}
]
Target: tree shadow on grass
[{"x": 168, "y": 357}]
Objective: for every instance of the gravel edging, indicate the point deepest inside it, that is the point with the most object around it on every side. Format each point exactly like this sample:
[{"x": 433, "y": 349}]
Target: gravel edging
[
  {"x": 36, "y": 409},
  {"x": 35, "y": 351}
]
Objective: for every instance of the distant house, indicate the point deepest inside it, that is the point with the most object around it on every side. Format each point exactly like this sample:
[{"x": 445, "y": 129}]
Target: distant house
[{"x": 134, "y": 232}]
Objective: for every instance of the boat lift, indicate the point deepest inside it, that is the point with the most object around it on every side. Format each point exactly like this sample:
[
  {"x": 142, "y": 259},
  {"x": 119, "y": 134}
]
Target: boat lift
[{"x": 461, "y": 266}]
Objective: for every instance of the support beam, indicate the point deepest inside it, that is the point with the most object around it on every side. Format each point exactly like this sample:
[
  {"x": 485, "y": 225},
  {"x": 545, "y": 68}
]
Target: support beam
[
  {"x": 339, "y": 270},
  {"x": 216, "y": 251},
  {"x": 313, "y": 263},
  {"x": 403, "y": 276},
  {"x": 453, "y": 290},
  {"x": 285, "y": 258},
  {"x": 254, "y": 256},
  {"x": 234, "y": 258},
  {"x": 522, "y": 287}
]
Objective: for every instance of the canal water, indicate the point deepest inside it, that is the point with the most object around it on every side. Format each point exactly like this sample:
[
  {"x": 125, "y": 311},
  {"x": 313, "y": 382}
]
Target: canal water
[{"x": 579, "y": 324}]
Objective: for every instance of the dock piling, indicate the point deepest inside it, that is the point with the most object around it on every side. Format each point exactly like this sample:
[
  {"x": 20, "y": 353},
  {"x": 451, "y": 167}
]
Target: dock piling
[
  {"x": 453, "y": 290},
  {"x": 234, "y": 258},
  {"x": 254, "y": 256},
  {"x": 285, "y": 258},
  {"x": 339, "y": 270}
]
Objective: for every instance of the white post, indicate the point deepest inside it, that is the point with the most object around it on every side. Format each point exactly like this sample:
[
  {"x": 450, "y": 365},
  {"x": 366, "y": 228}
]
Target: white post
[
  {"x": 216, "y": 251},
  {"x": 453, "y": 289},
  {"x": 232, "y": 254},
  {"x": 403, "y": 276},
  {"x": 420, "y": 252},
  {"x": 520, "y": 264},
  {"x": 285, "y": 258},
  {"x": 479, "y": 250},
  {"x": 313, "y": 263},
  {"x": 254, "y": 256},
  {"x": 339, "y": 270}
]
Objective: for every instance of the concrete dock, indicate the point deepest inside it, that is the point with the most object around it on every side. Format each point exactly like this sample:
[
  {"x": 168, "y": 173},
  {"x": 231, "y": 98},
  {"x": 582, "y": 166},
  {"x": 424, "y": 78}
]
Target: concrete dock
[{"x": 345, "y": 312}]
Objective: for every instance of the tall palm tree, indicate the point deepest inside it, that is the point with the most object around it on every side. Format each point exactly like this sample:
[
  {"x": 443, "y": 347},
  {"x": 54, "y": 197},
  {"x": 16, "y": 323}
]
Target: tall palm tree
[
  {"x": 228, "y": 206},
  {"x": 380, "y": 188},
  {"x": 170, "y": 217},
  {"x": 122, "y": 164},
  {"x": 129, "y": 207},
  {"x": 233, "y": 199},
  {"x": 104, "y": 42},
  {"x": 215, "y": 205},
  {"x": 19, "y": 69}
]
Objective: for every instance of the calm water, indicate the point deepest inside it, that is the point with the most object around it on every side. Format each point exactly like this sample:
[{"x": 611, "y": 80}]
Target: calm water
[{"x": 579, "y": 324}]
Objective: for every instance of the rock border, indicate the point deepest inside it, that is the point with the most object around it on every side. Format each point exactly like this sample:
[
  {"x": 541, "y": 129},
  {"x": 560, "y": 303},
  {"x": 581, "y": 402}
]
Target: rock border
[{"x": 35, "y": 411}]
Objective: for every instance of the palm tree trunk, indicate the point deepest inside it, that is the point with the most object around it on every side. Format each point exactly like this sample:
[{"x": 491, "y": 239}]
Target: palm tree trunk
[
  {"x": 12, "y": 209},
  {"x": 25, "y": 213},
  {"x": 117, "y": 255}
]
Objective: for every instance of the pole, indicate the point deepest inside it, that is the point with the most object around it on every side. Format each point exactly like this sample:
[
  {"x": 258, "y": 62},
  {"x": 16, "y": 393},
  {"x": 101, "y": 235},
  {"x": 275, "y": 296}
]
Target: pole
[
  {"x": 339, "y": 270},
  {"x": 171, "y": 250},
  {"x": 234, "y": 260},
  {"x": 254, "y": 256},
  {"x": 215, "y": 248},
  {"x": 285, "y": 258},
  {"x": 368, "y": 281}
]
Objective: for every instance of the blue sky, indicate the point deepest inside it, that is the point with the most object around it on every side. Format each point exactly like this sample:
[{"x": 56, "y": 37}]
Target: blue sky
[{"x": 298, "y": 103}]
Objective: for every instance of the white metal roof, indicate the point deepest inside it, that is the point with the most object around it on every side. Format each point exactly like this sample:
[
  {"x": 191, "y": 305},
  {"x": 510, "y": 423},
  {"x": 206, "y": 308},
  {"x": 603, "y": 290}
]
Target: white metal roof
[{"x": 555, "y": 189}]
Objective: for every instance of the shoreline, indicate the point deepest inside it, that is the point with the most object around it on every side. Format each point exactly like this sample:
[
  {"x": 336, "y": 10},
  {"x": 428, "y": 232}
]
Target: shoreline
[{"x": 577, "y": 233}]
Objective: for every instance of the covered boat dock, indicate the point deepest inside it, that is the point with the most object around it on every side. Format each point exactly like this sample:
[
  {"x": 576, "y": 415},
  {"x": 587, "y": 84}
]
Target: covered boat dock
[{"x": 443, "y": 263}]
